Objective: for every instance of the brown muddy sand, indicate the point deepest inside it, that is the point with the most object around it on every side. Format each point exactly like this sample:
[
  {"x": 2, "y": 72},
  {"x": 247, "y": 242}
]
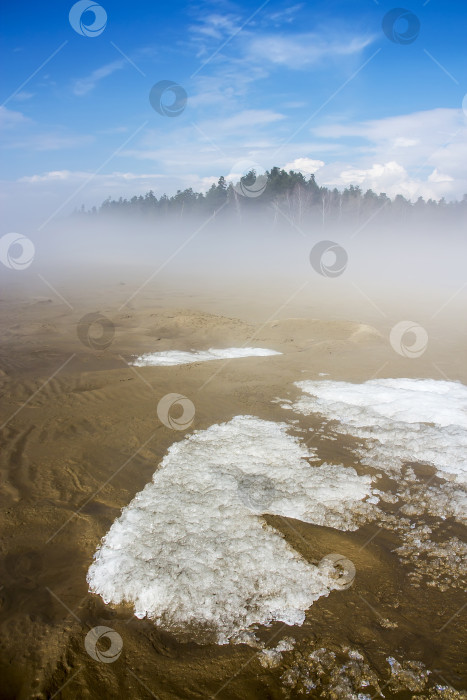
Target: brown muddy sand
[{"x": 81, "y": 436}]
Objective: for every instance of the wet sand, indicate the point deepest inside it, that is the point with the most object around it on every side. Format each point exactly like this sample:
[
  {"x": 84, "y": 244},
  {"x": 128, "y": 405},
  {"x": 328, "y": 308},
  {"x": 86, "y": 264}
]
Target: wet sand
[{"x": 81, "y": 436}]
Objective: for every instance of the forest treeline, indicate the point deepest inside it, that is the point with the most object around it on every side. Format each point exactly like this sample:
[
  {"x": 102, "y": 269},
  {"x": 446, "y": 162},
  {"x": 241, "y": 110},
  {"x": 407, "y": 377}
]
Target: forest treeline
[{"x": 289, "y": 196}]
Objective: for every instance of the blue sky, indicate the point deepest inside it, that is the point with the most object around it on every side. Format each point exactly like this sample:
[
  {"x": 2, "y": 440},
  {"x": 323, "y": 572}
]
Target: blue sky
[{"x": 316, "y": 86}]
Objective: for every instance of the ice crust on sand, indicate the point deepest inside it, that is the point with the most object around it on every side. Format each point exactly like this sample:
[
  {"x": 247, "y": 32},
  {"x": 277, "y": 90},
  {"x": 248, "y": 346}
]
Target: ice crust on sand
[
  {"x": 192, "y": 549},
  {"x": 401, "y": 420},
  {"x": 169, "y": 358}
]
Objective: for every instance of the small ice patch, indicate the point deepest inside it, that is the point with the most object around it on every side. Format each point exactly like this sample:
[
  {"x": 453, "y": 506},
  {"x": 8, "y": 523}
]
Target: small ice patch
[
  {"x": 169, "y": 358},
  {"x": 271, "y": 658},
  {"x": 192, "y": 549}
]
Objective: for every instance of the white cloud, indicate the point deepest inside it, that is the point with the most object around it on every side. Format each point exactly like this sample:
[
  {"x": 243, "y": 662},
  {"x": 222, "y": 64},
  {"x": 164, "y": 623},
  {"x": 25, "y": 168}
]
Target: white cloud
[
  {"x": 418, "y": 154},
  {"x": 380, "y": 177},
  {"x": 436, "y": 176},
  {"x": 377, "y": 173},
  {"x": 82, "y": 86},
  {"x": 410, "y": 138},
  {"x": 307, "y": 166},
  {"x": 51, "y": 176},
  {"x": 392, "y": 178}
]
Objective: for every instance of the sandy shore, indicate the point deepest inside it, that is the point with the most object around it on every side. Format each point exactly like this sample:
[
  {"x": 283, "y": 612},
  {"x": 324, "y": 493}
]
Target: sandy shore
[{"x": 81, "y": 436}]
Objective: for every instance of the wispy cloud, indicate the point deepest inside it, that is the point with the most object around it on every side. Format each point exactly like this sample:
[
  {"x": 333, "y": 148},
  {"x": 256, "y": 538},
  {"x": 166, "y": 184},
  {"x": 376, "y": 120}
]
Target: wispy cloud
[
  {"x": 82, "y": 86},
  {"x": 23, "y": 96},
  {"x": 216, "y": 26},
  {"x": 9, "y": 118},
  {"x": 51, "y": 142},
  {"x": 56, "y": 142},
  {"x": 302, "y": 50},
  {"x": 79, "y": 175},
  {"x": 403, "y": 129},
  {"x": 250, "y": 118},
  {"x": 288, "y": 15},
  {"x": 114, "y": 130}
]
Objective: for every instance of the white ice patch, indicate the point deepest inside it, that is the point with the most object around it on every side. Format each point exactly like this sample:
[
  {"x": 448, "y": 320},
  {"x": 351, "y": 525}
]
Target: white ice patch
[
  {"x": 192, "y": 550},
  {"x": 169, "y": 358},
  {"x": 402, "y": 420}
]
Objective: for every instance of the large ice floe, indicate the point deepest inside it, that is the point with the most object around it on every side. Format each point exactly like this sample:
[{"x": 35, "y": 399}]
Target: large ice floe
[
  {"x": 169, "y": 358},
  {"x": 401, "y": 420},
  {"x": 192, "y": 552}
]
